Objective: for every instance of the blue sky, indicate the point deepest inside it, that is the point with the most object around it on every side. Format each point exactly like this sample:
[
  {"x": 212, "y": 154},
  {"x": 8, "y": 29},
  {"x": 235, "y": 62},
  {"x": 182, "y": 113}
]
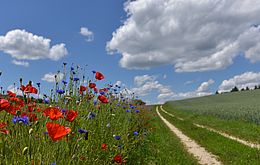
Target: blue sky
[{"x": 170, "y": 53}]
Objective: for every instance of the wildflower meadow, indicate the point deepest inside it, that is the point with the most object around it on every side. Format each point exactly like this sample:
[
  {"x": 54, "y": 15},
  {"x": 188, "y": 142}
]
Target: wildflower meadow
[{"x": 81, "y": 121}]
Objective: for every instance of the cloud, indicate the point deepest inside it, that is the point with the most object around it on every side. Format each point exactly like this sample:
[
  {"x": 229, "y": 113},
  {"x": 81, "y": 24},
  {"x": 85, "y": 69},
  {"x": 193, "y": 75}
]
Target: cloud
[
  {"x": 23, "y": 45},
  {"x": 140, "y": 80},
  {"x": 50, "y": 77},
  {"x": 191, "y": 35},
  {"x": 21, "y": 63},
  {"x": 14, "y": 89},
  {"x": 205, "y": 85},
  {"x": 148, "y": 84},
  {"x": 118, "y": 83},
  {"x": 87, "y": 33},
  {"x": 247, "y": 79},
  {"x": 202, "y": 90}
]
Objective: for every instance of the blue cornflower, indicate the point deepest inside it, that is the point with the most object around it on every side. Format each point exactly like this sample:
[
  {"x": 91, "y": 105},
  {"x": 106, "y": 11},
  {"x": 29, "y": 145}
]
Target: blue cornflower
[
  {"x": 132, "y": 107},
  {"x": 64, "y": 82},
  {"x": 24, "y": 119},
  {"x": 53, "y": 163},
  {"x": 95, "y": 102},
  {"x": 63, "y": 110},
  {"x": 71, "y": 68},
  {"x": 93, "y": 72},
  {"x": 38, "y": 84},
  {"x": 135, "y": 133},
  {"x": 128, "y": 111},
  {"x": 91, "y": 115},
  {"x": 102, "y": 92},
  {"x": 46, "y": 133},
  {"x": 46, "y": 101},
  {"x": 76, "y": 79},
  {"x": 60, "y": 91},
  {"x": 137, "y": 111},
  {"x": 81, "y": 131},
  {"x": 117, "y": 137}
]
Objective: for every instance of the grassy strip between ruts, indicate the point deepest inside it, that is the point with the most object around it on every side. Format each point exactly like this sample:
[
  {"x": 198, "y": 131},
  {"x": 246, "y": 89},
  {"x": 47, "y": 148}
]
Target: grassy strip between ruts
[
  {"x": 229, "y": 151},
  {"x": 241, "y": 129},
  {"x": 163, "y": 147}
]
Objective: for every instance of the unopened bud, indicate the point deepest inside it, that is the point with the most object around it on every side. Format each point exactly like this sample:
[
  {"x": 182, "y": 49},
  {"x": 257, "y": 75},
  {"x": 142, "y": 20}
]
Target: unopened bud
[
  {"x": 30, "y": 131},
  {"x": 25, "y": 150}
]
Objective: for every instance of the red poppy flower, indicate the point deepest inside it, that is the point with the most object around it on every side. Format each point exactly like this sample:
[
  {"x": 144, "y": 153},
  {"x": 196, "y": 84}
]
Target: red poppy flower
[
  {"x": 30, "y": 89},
  {"x": 82, "y": 89},
  {"x": 118, "y": 159},
  {"x": 46, "y": 111},
  {"x": 103, "y": 90},
  {"x": 99, "y": 76},
  {"x": 4, "y": 131},
  {"x": 96, "y": 90},
  {"x": 3, "y": 125},
  {"x": 17, "y": 100},
  {"x": 33, "y": 117},
  {"x": 22, "y": 88},
  {"x": 57, "y": 131},
  {"x": 103, "y": 99},
  {"x": 92, "y": 85},
  {"x": 104, "y": 146},
  {"x": 71, "y": 115},
  {"x": 12, "y": 109},
  {"x": 4, "y": 104},
  {"x": 31, "y": 107},
  {"x": 53, "y": 113},
  {"x": 11, "y": 94}
]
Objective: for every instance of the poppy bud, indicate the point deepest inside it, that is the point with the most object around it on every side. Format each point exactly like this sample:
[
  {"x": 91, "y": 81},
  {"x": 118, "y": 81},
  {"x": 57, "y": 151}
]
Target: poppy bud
[
  {"x": 30, "y": 131},
  {"x": 25, "y": 150},
  {"x": 86, "y": 136}
]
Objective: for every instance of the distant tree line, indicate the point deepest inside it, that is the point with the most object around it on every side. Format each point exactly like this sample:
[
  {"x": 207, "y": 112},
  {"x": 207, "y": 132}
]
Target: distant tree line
[{"x": 235, "y": 89}]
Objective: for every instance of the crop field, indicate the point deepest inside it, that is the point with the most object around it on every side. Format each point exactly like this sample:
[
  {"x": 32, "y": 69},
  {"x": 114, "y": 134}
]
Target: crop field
[{"x": 242, "y": 106}]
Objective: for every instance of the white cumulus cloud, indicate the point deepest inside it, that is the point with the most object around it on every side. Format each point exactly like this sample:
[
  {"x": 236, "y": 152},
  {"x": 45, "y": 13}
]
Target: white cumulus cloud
[
  {"x": 247, "y": 79},
  {"x": 50, "y": 77},
  {"x": 191, "y": 35},
  {"x": 15, "y": 90},
  {"x": 87, "y": 33},
  {"x": 21, "y": 63},
  {"x": 146, "y": 85},
  {"x": 23, "y": 45}
]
